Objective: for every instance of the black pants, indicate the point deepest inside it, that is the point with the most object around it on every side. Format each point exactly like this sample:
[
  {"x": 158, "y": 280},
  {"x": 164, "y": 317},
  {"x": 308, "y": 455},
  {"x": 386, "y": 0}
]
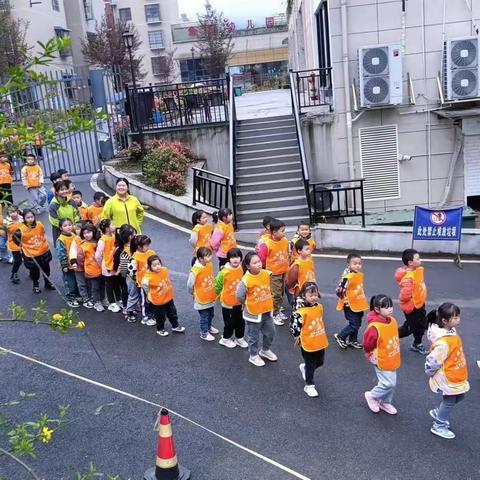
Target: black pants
[
  {"x": 17, "y": 262},
  {"x": 55, "y": 234},
  {"x": 124, "y": 289},
  {"x": 43, "y": 262},
  {"x": 234, "y": 322},
  {"x": 162, "y": 312},
  {"x": 113, "y": 288},
  {"x": 6, "y": 193},
  {"x": 313, "y": 360},
  {"x": 415, "y": 324}
]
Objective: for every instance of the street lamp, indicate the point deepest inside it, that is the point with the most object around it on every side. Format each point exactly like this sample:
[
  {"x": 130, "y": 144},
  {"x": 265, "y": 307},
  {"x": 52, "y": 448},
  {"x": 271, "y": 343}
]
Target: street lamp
[
  {"x": 128, "y": 38},
  {"x": 193, "y": 62}
]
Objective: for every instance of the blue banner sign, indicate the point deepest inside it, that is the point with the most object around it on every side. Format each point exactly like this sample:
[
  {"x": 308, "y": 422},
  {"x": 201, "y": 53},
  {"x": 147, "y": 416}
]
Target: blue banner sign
[{"x": 437, "y": 224}]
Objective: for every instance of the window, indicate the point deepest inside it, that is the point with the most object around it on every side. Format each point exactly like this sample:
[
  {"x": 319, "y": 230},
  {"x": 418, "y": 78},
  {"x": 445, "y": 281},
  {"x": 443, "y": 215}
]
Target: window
[
  {"x": 56, "y": 5},
  {"x": 159, "y": 65},
  {"x": 155, "y": 39},
  {"x": 192, "y": 70},
  {"x": 323, "y": 36},
  {"x": 88, "y": 8},
  {"x": 152, "y": 13},
  {"x": 125, "y": 15}
]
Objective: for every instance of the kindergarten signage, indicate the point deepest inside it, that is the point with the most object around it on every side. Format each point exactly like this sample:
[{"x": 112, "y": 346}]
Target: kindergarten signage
[{"x": 437, "y": 224}]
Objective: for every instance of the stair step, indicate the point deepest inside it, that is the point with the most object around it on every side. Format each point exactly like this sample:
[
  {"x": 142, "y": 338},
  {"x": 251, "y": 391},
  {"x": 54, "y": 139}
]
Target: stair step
[
  {"x": 267, "y": 136},
  {"x": 280, "y": 208},
  {"x": 269, "y": 200},
  {"x": 248, "y": 147},
  {"x": 257, "y": 222},
  {"x": 293, "y": 158},
  {"x": 287, "y": 165},
  {"x": 298, "y": 210},
  {"x": 262, "y": 176},
  {"x": 267, "y": 152},
  {"x": 251, "y": 187},
  {"x": 276, "y": 129},
  {"x": 255, "y": 121},
  {"x": 267, "y": 123},
  {"x": 271, "y": 191}
]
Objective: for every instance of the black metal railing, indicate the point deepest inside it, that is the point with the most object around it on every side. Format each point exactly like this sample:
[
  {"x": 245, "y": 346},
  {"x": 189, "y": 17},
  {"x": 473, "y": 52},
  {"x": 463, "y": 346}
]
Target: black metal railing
[
  {"x": 314, "y": 88},
  {"x": 338, "y": 199},
  {"x": 210, "y": 189},
  {"x": 233, "y": 143},
  {"x": 178, "y": 105}
]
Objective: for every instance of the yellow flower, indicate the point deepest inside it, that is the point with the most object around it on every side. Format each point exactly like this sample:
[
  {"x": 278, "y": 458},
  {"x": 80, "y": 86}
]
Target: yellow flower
[
  {"x": 46, "y": 434},
  {"x": 80, "y": 325},
  {"x": 57, "y": 317}
]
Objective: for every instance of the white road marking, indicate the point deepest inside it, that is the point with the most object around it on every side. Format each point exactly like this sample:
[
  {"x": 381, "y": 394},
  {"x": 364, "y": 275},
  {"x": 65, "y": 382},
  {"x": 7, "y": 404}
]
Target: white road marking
[
  {"x": 157, "y": 405},
  {"x": 94, "y": 186}
]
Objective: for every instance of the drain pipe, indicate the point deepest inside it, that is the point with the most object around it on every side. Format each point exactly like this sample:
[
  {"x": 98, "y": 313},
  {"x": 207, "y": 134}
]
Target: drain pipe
[
  {"x": 346, "y": 80},
  {"x": 458, "y": 147},
  {"x": 404, "y": 26}
]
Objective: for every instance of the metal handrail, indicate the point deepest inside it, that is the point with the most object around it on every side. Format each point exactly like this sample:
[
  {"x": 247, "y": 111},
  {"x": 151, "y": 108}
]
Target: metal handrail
[
  {"x": 210, "y": 173},
  {"x": 209, "y": 191},
  {"x": 303, "y": 157},
  {"x": 232, "y": 141}
]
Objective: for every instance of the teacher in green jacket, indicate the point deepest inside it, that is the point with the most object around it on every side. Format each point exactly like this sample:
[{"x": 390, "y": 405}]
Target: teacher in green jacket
[{"x": 124, "y": 208}]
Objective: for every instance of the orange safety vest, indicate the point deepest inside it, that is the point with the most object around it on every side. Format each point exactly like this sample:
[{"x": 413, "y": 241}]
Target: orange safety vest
[
  {"x": 259, "y": 294},
  {"x": 306, "y": 271},
  {"x": 387, "y": 351},
  {"x": 357, "y": 301},
  {"x": 419, "y": 287},
  {"x": 67, "y": 240},
  {"x": 204, "y": 289},
  {"x": 160, "y": 288},
  {"x": 295, "y": 255},
  {"x": 92, "y": 268},
  {"x": 228, "y": 241},
  {"x": 94, "y": 213},
  {"x": 11, "y": 229},
  {"x": 34, "y": 242},
  {"x": 277, "y": 259},
  {"x": 141, "y": 258},
  {"x": 83, "y": 211},
  {"x": 232, "y": 277},
  {"x": 455, "y": 365},
  {"x": 313, "y": 336},
  {"x": 204, "y": 233},
  {"x": 6, "y": 172},
  {"x": 108, "y": 250},
  {"x": 32, "y": 175}
]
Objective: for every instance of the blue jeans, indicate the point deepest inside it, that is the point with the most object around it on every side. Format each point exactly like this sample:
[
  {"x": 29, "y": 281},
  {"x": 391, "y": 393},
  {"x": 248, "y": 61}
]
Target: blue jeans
[
  {"x": 70, "y": 284},
  {"x": 354, "y": 319},
  {"x": 206, "y": 316},
  {"x": 4, "y": 253},
  {"x": 445, "y": 408},
  {"x": 385, "y": 388},
  {"x": 266, "y": 328}
]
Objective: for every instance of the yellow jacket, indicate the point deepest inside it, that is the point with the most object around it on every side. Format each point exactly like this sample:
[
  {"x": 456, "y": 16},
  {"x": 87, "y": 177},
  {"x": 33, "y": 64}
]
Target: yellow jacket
[{"x": 128, "y": 211}]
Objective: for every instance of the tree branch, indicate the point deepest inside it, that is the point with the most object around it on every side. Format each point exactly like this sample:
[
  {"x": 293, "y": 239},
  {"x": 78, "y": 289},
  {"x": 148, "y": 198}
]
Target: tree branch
[{"x": 24, "y": 465}]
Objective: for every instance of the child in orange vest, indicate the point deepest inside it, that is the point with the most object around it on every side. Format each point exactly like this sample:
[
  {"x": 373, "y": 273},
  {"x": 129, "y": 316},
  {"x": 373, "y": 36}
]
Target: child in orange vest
[
  {"x": 63, "y": 247},
  {"x": 104, "y": 257},
  {"x": 255, "y": 294},
  {"x": 35, "y": 249},
  {"x": 226, "y": 289},
  {"x": 265, "y": 233},
  {"x": 13, "y": 222},
  {"x": 274, "y": 254},
  {"x": 303, "y": 233},
  {"x": 412, "y": 298},
  {"x": 81, "y": 205},
  {"x": 382, "y": 348},
  {"x": 78, "y": 266},
  {"x": 302, "y": 270},
  {"x": 32, "y": 179},
  {"x": 223, "y": 237},
  {"x": 352, "y": 301},
  {"x": 159, "y": 291},
  {"x": 140, "y": 251},
  {"x": 6, "y": 179},
  {"x": 446, "y": 366},
  {"x": 201, "y": 284},
  {"x": 201, "y": 232},
  {"x": 309, "y": 331},
  {"x": 95, "y": 210}
]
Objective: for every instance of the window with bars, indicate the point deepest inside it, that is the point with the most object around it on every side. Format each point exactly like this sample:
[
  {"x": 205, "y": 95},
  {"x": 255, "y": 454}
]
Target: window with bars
[
  {"x": 155, "y": 39},
  {"x": 88, "y": 8},
  {"x": 125, "y": 15},
  {"x": 56, "y": 5},
  {"x": 159, "y": 65},
  {"x": 152, "y": 13}
]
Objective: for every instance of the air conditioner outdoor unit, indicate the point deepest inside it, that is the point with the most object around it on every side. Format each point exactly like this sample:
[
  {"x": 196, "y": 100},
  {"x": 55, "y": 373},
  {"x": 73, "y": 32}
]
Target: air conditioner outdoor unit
[
  {"x": 380, "y": 75},
  {"x": 462, "y": 76}
]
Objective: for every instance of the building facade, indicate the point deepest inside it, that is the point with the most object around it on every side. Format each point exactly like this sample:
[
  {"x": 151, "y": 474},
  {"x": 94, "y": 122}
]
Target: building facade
[{"x": 421, "y": 145}]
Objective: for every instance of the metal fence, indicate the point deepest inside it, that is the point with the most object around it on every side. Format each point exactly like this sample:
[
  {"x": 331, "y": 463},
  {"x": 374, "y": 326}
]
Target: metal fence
[
  {"x": 178, "y": 105},
  {"x": 210, "y": 189},
  {"x": 314, "y": 88}
]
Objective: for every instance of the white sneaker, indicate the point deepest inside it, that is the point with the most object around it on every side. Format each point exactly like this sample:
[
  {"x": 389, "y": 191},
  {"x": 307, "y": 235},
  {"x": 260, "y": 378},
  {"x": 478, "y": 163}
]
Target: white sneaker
[
  {"x": 113, "y": 307},
  {"x": 162, "y": 333},
  {"x": 257, "y": 361},
  {"x": 277, "y": 320},
  {"x": 269, "y": 355},
  {"x": 105, "y": 303},
  {"x": 207, "y": 337},
  {"x": 310, "y": 390},
  {"x": 213, "y": 330},
  {"x": 99, "y": 307},
  {"x": 227, "y": 342},
  {"x": 88, "y": 304},
  {"x": 178, "y": 329},
  {"x": 150, "y": 322},
  {"x": 241, "y": 342},
  {"x": 282, "y": 315},
  {"x": 302, "y": 371},
  {"x": 144, "y": 320}
]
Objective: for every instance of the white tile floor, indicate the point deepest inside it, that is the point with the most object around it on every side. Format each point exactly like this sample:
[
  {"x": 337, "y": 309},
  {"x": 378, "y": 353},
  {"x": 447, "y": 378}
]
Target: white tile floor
[{"x": 271, "y": 103}]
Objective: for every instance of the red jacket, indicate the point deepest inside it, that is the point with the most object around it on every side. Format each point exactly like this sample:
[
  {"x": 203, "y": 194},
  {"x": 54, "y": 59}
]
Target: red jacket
[
  {"x": 406, "y": 290},
  {"x": 370, "y": 336}
]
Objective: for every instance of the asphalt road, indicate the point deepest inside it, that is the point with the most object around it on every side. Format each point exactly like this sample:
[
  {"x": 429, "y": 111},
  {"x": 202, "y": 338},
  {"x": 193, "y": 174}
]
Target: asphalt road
[{"x": 262, "y": 409}]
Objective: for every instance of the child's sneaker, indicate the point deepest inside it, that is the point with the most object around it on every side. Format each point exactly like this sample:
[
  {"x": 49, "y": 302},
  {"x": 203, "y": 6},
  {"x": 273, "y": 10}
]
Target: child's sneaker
[
  {"x": 302, "y": 371},
  {"x": 49, "y": 286},
  {"x": 15, "y": 279},
  {"x": 113, "y": 307},
  {"x": 131, "y": 317},
  {"x": 310, "y": 390},
  {"x": 442, "y": 431},
  {"x": 434, "y": 414},
  {"x": 282, "y": 315},
  {"x": 150, "y": 322},
  {"x": 99, "y": 307},
  {"x": 213, "y": 330},
  {"x": 269, "y": 355},
  {"x": 178, "y": 329},
  {"x": 105, "y": 303},
  {"x": 36, "y": 290},
  {"x": 241, "y": 342},
  {"x": 341, "y": 343},
  {"x": 388, "y": 408},
  {"x": 418, "y": 348},
  {"x": 227, "y": 342},
  {"x": 73, "y": 303},
  {"x": 277, "y": 320},
  {"x": 256, "y": 360},
  {"x": 88, "y": 304},
  {"x": 372, "y": 403},
  {"x": 207, "y": 337},
  {"x": 355, "y": 344},
  {"x": 162, "y": 333}
]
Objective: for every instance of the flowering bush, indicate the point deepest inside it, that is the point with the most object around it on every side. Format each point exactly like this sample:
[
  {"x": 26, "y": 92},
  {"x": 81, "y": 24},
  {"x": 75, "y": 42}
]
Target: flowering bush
[{"x": 178, "y": 147}]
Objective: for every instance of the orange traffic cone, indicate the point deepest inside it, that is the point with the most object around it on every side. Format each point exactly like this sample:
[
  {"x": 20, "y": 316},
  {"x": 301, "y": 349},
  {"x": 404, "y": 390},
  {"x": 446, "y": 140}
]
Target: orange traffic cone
[{"x": 167, "y": 467}]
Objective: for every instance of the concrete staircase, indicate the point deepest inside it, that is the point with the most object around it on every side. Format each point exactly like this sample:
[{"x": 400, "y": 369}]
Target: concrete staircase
[{"x": 269, "y": 173}]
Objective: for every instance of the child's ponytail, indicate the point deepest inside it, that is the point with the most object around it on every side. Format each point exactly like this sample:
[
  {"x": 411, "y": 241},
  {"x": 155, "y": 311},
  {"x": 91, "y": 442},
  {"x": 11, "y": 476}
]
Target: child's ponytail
[{"x": 221, "y": 214}]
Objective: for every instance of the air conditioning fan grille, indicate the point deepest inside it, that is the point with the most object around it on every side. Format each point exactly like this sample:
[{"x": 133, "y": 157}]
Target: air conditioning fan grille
[
  {"x": 465, "y": 83},
  {"x": 376, "y": 90},
  {"x": 375, "y": 61},
  {"x": 464, "y": 53}
]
